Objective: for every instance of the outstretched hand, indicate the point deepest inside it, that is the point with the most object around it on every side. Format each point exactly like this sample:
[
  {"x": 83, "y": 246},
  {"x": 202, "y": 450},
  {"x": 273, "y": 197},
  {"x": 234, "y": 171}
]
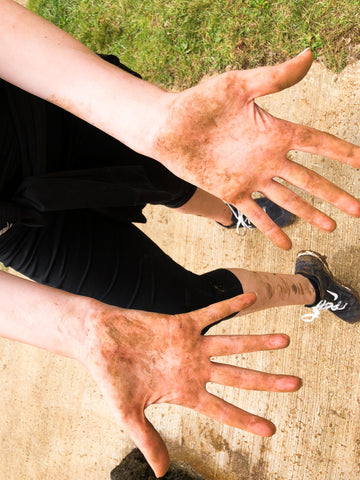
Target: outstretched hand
[
  {"x": 216, "y": 137},
  {"x": 140, "y": 358}
]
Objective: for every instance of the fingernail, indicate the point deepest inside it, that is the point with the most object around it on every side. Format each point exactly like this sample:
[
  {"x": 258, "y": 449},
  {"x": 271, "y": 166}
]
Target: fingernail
[
  {"x": 264, "y": 429},
  {"x": 278, "y": 341},
  {"x": 306, "y": 49},
  {"x": 288, "y": 384},
  {"x": 249, "y": 301}
]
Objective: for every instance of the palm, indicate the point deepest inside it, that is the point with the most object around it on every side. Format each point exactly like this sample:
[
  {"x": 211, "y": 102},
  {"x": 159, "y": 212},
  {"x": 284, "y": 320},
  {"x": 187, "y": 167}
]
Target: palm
[
  {"x": 140, "y": 358},
  {"x": 217, "y": 138}
]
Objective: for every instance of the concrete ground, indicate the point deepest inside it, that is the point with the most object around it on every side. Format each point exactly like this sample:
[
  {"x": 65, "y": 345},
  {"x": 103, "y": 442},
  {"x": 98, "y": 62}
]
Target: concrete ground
[{"x": 55, "y": 424}]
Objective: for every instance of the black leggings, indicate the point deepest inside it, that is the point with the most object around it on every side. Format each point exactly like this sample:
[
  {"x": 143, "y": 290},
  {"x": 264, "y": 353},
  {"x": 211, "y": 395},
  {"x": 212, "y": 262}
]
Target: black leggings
[{"x": 89, "y": 253}]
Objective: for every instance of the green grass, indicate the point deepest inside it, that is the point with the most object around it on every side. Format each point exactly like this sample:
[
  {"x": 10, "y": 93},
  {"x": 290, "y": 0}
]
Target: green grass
[{"x": 176, "y": 42}]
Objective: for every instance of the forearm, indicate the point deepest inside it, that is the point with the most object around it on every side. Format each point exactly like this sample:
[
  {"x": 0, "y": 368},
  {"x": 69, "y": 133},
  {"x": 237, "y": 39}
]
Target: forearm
[
  {"x": 42, "y": 59},
  {"x": 45, "y": 317}
]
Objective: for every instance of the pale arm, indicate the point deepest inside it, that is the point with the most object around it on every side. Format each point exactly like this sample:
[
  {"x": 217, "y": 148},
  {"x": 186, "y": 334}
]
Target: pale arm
[
  {"x": 45, "y": 61},
  {"x": 42, "y": 316}
]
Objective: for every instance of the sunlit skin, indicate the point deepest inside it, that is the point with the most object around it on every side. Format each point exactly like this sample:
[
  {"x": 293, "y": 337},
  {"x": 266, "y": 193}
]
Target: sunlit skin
[
  {"x": 217, "y": 137},
  {"x": 139, "y": 359}
]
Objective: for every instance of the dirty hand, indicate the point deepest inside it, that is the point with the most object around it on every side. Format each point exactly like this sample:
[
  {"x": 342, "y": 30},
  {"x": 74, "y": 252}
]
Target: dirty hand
[
  {"x": 216, "y": 137},
  {"x": 140, "y": 358}
]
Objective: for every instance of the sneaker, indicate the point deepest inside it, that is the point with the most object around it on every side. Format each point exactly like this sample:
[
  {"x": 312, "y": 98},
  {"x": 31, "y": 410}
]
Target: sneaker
[
  {"x": 279, "y": 215},
  {"x": 331, "y": 294}
]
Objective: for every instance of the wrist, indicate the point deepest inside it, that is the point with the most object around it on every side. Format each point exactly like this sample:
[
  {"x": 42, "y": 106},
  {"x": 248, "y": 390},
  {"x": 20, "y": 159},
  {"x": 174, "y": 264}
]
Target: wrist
[
  {"x": 159, "y": 115},
  {"x": 75, "y": 325},
  {"x": 142, "y": 117},
  {"x": 99, "y": 329},
  {"x": 174, "y": 142}
]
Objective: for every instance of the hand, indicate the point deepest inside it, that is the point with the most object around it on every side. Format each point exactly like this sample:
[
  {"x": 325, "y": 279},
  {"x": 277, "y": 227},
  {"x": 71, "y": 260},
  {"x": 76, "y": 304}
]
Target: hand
[
  {"x": 139, "y": 359},
  {"x": 217, "y": 138}
]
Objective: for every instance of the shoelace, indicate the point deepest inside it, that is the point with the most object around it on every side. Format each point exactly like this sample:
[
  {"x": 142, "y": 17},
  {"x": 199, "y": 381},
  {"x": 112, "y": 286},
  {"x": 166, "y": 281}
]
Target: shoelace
[
  {"x": 241, "y": 220},
  {"x": 5, "y": 229},
  {"x": 324, "y": 305}
]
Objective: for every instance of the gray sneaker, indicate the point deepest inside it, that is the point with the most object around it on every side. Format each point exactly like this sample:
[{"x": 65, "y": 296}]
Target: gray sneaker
[
  {"x": 279, "y": 215},
  {"x": 331, "y": 294}
]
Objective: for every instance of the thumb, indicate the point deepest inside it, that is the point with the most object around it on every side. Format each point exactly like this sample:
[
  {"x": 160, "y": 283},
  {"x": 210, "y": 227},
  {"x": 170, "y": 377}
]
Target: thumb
[
  {"x": 265, "y": 80},
  {"x": 149, "y": 442}
]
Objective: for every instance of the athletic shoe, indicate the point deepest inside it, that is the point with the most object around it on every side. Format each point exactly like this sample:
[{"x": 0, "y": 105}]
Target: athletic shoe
[
  {"x": 279, "y": 215},
  {"x": 331, "y": 294}
]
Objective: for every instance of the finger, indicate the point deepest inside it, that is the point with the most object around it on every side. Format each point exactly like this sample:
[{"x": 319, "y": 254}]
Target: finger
[
  {"x": 282, "y": 196},
  {"x": 226, "y": 413},
  {"x": 263, "y": 222},
  {"x": 247, "y": 379},
  {"x": 221, "y": 345},
  {"x": 265, "y": 80},
  {"x": 307, "y": 139},
  {"x": 217, "y": 311},
  {"x": 149, "y": 442},
  {"x": 317, "y": 185}
]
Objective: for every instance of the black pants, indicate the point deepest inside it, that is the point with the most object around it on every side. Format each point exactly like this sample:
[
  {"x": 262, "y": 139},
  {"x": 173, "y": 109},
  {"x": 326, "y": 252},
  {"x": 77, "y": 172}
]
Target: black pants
[{"x": 101, "y": 255}]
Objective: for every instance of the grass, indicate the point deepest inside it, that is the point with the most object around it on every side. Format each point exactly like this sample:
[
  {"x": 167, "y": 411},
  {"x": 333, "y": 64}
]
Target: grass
[{"x": 175, "y": 42}]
